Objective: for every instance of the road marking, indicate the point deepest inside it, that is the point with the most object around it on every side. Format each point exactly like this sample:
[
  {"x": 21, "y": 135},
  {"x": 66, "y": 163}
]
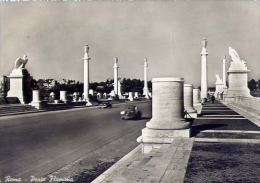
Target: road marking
[
  {"x": 217, "y": 110},
  {"x": 223, "y": 115},
  {"x": 215, "y": 107},
  {"x": 221, "y": 118},
  {"x": 253, "y": 141},
  {"x": 229, "y": 131}
]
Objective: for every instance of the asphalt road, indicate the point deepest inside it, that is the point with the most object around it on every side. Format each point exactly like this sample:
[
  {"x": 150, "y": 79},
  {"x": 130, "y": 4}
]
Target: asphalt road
[{"x": 38, "y": 144}]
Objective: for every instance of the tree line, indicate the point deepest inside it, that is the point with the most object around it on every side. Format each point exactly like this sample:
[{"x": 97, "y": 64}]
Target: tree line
[
  {"x": 253, "y": 84},
  {"x": 127, "y": 85}
]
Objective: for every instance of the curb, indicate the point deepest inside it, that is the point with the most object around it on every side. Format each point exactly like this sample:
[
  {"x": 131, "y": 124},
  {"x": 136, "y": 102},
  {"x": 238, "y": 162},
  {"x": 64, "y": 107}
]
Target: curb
[{"x": 110, "y": 171}]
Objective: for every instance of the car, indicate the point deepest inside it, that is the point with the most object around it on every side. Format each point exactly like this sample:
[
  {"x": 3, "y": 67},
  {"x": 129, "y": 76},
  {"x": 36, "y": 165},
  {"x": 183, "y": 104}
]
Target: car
[
  {"x": 105, "y": 104},
  {"x": 131, "y": 112}
]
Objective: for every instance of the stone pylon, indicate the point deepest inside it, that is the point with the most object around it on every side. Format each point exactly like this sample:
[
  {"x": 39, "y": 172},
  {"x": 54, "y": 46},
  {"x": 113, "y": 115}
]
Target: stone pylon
[
  {"x": 116, "y": 76},
  {"x": 196, "y": 96},
  {"x": 131, "y": 98},
  {"x": 224, "y": 92},
  {"x": 36, "y": 102},
  {"x": 86, "y": 59},
  {"x": 196, "y": 100},
  {"x": 119, "y": 88},
  {"x": 145, "y": 89},
  {"x": 63, "y": 96},
  {"x": 204, "y": 71},
  {"x": 167, "y": 121},
  {"x": 188, "y": 102},
  {"x": 224, "y": 71}
]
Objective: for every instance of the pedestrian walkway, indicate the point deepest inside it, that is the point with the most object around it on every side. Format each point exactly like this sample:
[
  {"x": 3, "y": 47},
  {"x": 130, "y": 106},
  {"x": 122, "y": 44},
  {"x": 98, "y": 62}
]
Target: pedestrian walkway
[
  {"x": 15, "y": 109},
  {"x": 167, "y": 164},
  {"x": 224, "y": 147}
]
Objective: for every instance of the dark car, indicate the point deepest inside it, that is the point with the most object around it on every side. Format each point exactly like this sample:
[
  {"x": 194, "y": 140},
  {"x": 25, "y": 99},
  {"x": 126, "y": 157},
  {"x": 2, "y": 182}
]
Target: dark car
[
  {"x": 131, "y": 112},
  {"x": 105, "y": 104}
]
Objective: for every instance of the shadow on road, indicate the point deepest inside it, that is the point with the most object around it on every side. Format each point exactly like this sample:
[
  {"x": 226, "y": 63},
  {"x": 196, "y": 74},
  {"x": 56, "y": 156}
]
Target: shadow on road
[
  {"x": 208, "y": 113},
  {"x": 142, "y": 118},
  {"x": 198, "y": 128}
]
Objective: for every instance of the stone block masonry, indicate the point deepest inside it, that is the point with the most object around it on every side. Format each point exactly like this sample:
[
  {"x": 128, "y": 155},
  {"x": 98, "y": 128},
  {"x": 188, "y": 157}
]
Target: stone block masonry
[{"x": 168, "y": 110}]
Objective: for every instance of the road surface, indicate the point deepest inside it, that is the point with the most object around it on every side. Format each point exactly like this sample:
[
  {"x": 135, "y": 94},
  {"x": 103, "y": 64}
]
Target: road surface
[{"x": 38, "y": 144}]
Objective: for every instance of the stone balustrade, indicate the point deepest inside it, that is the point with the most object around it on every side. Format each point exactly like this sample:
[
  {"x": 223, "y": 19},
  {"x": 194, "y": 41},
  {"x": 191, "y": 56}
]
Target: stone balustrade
[{"x": 251, "y": 102}]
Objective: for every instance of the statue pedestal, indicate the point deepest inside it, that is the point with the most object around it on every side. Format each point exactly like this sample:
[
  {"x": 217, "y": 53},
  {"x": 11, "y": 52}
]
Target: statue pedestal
[
  {"x": 88, "y": 103},
  {"x": 219, "y": 89},
  {"x": 237, "y": 79},
  {"x": 20, "y": 85},
  {"x": 36, "y": 102}
]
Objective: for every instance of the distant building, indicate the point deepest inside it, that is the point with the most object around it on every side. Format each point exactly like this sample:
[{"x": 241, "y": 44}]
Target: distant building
[
  {"x": 46, "y": 83},
  {"x": 211, "y": 90}
]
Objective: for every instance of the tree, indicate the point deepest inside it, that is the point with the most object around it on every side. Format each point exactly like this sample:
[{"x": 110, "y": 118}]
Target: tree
[
  {"x": 150, "y": 85},
  {"x": 252, "y": 85}
]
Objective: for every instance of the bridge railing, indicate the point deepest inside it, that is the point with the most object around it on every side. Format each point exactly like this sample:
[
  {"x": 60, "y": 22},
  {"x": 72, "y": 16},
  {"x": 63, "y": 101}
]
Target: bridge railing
[{"x": 251, "y": 102}]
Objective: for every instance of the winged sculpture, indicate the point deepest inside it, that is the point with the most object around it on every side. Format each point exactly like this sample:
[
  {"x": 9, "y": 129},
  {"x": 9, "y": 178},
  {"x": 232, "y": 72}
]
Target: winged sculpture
[{"x": 20, "y": 62}]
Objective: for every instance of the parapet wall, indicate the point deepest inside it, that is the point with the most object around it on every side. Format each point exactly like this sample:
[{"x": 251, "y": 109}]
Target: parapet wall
[{"x": 251, "y": 102}]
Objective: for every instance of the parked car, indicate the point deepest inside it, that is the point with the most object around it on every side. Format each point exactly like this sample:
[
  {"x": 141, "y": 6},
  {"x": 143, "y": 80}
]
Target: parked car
[
  {"x": 105, "y": 104},
  {"x": 131, "y": 112}
]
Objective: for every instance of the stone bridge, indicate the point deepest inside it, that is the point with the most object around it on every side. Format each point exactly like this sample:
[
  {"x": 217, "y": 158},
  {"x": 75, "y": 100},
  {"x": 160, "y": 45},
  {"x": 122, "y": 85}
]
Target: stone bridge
[{"x": 224, "y": 144}]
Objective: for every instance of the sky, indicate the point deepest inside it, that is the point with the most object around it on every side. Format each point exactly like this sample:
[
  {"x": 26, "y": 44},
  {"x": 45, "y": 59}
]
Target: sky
[{"x": 167, "y": 33}]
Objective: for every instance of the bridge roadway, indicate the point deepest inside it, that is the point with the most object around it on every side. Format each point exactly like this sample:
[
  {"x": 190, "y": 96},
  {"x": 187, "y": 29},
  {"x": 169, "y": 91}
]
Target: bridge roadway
[{"x": 41, "y": 143}]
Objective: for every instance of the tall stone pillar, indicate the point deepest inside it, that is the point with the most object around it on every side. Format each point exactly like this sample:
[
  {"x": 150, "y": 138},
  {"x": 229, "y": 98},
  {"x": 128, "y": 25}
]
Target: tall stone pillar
[
  {"x": 224, "y": 92},
  {"x": 167, "y": 121},
  {"x": 119, "y": 88},
  {"x": 204, "y": 74},
  {"x": 224, "y": 70},
  {"x": 86, "y": 59},
  {"x": 188, "y": 102},
  {"x": 145, "y": 89},
  {"x": 116, "y": 76},
  {"x": 36, "y": 102}
]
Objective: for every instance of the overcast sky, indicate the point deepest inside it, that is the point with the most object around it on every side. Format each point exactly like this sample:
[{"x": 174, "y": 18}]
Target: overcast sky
[{"x": 167, "y": 33}]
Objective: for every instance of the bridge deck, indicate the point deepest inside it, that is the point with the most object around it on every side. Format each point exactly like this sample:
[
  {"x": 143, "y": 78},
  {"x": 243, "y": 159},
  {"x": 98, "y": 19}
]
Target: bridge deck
[{"x": 224, "y": 147}]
